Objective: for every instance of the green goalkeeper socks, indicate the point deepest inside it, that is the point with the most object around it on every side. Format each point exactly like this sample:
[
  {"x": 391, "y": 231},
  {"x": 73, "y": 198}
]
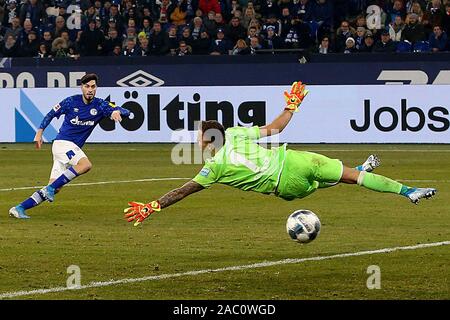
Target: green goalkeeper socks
[{"x": 379, "y": 183}]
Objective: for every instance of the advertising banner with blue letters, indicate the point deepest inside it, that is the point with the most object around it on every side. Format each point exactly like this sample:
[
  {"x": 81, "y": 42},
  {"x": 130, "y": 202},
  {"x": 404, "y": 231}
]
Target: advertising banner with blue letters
[{"x": 329, "y": 114}]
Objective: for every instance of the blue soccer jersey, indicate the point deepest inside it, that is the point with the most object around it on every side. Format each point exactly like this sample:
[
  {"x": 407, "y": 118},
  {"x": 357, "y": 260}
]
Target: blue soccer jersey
[{"x": 80, "y": 119}]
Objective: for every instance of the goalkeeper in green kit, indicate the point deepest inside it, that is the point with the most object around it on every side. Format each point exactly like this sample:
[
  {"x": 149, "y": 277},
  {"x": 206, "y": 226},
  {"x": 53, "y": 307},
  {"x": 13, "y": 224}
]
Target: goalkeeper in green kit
[{"x": 239, "y": 161}]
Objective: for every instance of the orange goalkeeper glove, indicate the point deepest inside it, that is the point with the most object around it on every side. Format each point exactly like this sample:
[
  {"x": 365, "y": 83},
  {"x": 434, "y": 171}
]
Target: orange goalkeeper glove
[
  {"x": 138, "y": 212},
  {"x": 295, "y": 97}
]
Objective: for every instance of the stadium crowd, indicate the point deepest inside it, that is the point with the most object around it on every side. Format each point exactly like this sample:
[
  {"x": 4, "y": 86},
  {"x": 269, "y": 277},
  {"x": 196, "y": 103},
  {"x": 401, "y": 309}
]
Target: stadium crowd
[{"x": 73, "y": 28}]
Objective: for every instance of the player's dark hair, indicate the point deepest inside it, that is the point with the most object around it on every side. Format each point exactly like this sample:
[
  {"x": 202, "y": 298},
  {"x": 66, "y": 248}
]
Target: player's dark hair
[
  {"x": 215, "y": 127},
  {"x": 89, "y": 77}
]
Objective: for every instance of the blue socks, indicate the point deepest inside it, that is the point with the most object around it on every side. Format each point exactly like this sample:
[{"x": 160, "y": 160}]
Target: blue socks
[
  {"x": 405, "y": 191},
  {"x": 37, "y": 197},
  {"x": 65, "y": 178}
]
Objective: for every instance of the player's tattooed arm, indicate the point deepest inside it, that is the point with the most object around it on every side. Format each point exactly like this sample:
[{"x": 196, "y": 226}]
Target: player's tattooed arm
[{"x": 179, "y": 193}]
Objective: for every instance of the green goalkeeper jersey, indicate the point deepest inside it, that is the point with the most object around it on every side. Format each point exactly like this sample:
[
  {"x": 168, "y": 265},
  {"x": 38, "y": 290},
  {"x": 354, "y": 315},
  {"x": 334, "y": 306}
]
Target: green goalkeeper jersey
[{"x": 244, "y": 164}]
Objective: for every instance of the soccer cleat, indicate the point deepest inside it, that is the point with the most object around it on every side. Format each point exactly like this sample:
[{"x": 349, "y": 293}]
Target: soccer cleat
[
  {"x": 48, "y": 193},
  {"x": 415, "y": 194},
  {"x": 18, "y": 212},
  {"x": 372, "y": 162}
]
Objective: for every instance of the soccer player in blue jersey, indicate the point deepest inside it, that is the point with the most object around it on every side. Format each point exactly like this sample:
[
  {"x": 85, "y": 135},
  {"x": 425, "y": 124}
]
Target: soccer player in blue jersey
[{"x": 81, "y": 115}]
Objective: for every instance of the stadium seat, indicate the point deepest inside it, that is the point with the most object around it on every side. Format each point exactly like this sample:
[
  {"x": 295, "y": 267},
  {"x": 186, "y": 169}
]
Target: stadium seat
[
  {"x": 404, "y": 46},
  {"x": 421, "y": 46}
]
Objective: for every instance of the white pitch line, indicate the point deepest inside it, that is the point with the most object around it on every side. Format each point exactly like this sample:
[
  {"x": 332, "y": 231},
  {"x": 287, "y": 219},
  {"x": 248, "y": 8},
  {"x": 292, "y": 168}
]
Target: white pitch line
[
  {"x": 231, "y": 268},
  {"x": 323, "y": 150},
  {"x": 425, "y": 181},
  {"x": 306, "y": 147},
  {"x": 97, "y": 183},
  {"x": 162, "y": 179},
  {"x": 159, "y": 179}
]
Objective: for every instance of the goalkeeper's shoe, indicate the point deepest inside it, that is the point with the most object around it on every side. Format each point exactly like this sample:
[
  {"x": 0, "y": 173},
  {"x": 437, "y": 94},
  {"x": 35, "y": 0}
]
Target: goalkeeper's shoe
[
  {"x": 48, "y": 193},
  {"x": 372, "y": 162},
  {"x": 18, "y": 212},
  {"x": 415, "y": 194}
]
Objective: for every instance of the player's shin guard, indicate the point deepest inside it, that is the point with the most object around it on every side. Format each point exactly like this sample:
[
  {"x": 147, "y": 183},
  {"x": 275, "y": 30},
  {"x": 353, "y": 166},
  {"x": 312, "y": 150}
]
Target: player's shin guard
[
  {"x": 378, "y": 183},
  {"x": 65, "y": 178},
  {"x": 35, "y": 199}
]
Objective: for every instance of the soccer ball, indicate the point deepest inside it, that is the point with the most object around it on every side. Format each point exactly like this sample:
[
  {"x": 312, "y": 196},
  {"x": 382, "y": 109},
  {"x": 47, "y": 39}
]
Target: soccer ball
[{"x": 303, "y": 226}]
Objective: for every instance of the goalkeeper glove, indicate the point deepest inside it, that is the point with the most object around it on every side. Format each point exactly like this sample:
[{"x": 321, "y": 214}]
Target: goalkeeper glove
[
  {"x": 295, "y": 97},
  {"x": 138, "y": 212}
]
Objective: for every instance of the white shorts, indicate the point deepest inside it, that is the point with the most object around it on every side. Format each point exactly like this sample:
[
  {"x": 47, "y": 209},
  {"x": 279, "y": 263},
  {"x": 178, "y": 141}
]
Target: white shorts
[{"x": 65, "y": 155}]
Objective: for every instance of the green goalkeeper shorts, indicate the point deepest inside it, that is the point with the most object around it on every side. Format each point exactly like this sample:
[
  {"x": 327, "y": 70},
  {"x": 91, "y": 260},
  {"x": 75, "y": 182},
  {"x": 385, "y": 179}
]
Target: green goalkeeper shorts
[{"x": 303, "y": 171}]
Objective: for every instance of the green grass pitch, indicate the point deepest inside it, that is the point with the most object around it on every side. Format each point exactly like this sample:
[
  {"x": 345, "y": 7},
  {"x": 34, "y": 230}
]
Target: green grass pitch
[{"x": 222, "y": 227}]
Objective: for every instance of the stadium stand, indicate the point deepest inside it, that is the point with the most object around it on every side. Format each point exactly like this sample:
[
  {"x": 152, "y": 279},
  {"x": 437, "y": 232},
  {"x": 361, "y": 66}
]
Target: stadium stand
[{"x": 74, "y": 28}]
